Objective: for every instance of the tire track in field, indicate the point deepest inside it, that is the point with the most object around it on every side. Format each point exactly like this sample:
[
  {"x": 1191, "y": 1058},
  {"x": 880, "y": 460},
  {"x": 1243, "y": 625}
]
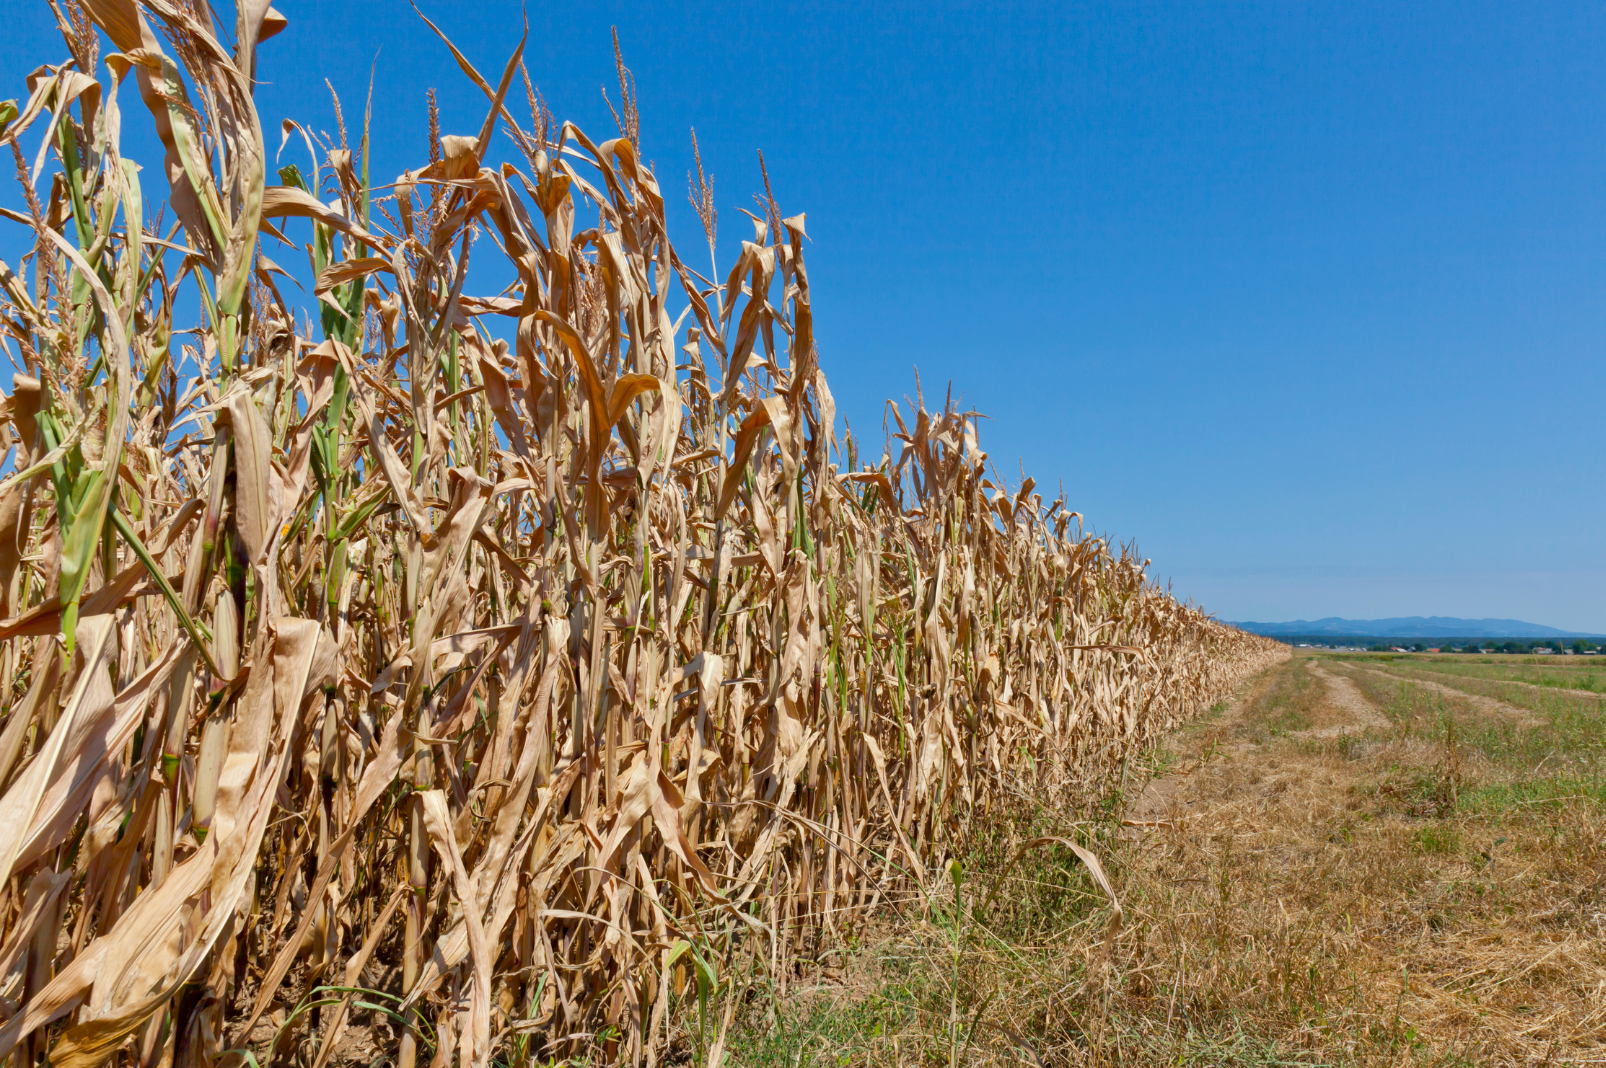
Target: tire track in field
[
  {"x": 1157, "y": 804},
  {"x": 1347, "y": 697},
  {"x": 1229, "y": 737}
]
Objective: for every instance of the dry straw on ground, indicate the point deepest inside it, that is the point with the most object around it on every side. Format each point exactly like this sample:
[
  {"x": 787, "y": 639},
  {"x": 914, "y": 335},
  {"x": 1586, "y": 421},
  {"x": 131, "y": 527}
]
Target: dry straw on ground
[{"x": 474, "y": 672}]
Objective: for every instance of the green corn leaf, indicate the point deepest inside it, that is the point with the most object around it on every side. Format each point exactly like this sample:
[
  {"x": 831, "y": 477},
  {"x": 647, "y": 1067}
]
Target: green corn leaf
[{"x": 198, "y": 634}]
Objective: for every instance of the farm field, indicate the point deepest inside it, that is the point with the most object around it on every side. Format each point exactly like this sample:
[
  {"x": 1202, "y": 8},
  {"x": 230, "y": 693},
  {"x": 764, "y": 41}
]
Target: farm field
[
  {"x": 1359, "y": 860},
  {"x": 410, "y": 658},
  {"x": 1552, "y": 672}
]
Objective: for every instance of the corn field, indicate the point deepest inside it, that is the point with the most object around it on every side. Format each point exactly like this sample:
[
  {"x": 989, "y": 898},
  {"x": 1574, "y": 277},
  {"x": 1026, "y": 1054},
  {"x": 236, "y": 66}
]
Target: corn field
[{"x": 476, "y": 675}]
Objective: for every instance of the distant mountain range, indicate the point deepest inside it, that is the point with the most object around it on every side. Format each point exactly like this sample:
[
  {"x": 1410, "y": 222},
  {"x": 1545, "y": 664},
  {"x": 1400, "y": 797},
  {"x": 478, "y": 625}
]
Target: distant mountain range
[{"x": 1410, "y": 627}]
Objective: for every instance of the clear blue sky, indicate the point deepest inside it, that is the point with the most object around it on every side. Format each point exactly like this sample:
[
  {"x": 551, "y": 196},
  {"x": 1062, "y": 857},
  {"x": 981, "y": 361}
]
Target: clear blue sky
[{"x": 1305, "y": 298}]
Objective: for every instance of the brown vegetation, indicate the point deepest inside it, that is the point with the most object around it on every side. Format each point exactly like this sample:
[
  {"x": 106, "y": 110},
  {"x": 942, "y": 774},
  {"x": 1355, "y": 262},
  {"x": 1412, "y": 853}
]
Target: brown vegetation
[
  {"x": 418, "y": 686},
  {"x": 1336, "y": 869}
]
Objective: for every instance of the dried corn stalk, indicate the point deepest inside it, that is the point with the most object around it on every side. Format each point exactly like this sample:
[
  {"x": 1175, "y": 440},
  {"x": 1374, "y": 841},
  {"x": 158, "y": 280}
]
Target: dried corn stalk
[{"x": 471, "y": 670}]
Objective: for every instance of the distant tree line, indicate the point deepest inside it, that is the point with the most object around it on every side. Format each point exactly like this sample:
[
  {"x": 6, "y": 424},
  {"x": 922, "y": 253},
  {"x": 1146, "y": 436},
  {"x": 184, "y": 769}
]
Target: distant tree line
[
  {"x": 1380, "y": 644},
  {"x": 1492, "y": 645}
]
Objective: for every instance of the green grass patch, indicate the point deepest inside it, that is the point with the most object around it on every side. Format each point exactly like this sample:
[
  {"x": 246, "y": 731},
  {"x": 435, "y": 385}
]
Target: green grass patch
[
  {"x": 814, "y": 1032},
  {"x": 1500, "y": 798},
  {"x": 1438, "y": 839}
]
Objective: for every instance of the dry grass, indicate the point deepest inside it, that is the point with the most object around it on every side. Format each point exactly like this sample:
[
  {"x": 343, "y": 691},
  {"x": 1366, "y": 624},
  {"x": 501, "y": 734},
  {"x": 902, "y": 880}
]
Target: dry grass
[
  {"x": 484, "y": 674},
  {"x": 1410, "y": 891}
]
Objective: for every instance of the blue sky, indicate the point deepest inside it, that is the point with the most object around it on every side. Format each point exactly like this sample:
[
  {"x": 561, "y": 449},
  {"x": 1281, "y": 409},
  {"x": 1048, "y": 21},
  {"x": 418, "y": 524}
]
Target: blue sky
[{"x": 1304, "y": 298}]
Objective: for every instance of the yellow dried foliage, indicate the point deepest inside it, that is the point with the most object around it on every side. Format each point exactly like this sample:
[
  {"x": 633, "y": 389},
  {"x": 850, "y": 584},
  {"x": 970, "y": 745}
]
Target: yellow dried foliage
[{"x": 476, "y": 679}]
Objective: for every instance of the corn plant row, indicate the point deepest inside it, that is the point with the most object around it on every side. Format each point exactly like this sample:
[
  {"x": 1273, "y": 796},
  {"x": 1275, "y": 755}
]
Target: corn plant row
[{"x": 473, "y": 674}]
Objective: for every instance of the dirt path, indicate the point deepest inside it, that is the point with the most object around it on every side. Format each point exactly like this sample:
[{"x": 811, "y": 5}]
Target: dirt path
[
  {"x": 1159, "y": 804},
  {"x": 1483, "y": 703},
  {"x": 1340, "y": 709},
  {"x": 1344, "y": 695}
]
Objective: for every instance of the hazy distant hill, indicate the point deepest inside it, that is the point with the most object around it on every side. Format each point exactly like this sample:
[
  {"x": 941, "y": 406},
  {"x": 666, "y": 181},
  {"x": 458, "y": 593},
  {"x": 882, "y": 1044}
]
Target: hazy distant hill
[{"x": 1411, "y": 627}]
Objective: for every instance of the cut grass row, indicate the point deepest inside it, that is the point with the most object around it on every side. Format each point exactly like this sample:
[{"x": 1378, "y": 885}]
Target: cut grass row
[
  {"x": 1556, "y": 729},
  {"x": 1552, "y": 672},
  {"x": 1559, "y": 752}
]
